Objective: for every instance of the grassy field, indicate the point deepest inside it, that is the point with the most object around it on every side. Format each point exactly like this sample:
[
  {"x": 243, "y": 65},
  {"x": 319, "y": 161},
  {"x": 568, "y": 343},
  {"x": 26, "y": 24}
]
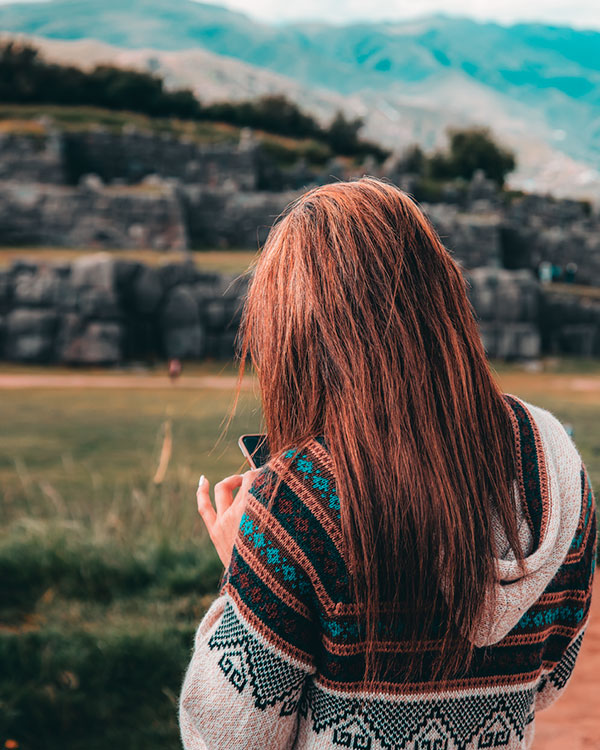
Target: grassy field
[
  {"x": 27, "y": 119},
  {"x": 225, "y": 261},
  {"x": 105, "y": 573}
]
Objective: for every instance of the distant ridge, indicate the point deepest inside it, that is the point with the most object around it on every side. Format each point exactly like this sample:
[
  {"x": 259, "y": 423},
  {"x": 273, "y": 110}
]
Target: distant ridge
[{"x": 537, "y": 85}]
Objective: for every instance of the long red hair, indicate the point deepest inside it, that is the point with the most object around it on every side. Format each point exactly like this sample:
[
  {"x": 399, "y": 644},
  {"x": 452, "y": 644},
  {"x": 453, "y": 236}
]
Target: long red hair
[{"x": 359, "y": 327}]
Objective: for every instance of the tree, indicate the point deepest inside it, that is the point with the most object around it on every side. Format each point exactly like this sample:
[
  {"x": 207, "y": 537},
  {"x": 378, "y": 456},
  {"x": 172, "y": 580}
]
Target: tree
[
  {"x": 289, "y": 118},
  {"x": 342, "y": 134},
  {"x": 26, "y": 78},
  {"x": 414, "y": 160},
  {"x": 472, "y": 149}
]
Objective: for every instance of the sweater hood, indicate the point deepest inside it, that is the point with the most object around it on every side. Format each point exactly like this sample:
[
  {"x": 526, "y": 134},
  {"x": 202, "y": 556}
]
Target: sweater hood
[{"x": 548, "y": 509}]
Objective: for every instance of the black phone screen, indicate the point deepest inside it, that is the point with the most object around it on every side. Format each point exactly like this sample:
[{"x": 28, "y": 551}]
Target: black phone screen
[{"x": 257, "y": 448}]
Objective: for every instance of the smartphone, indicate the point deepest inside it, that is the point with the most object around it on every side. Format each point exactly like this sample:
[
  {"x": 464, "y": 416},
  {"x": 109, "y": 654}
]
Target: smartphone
[{"x": 255, "y": 448}]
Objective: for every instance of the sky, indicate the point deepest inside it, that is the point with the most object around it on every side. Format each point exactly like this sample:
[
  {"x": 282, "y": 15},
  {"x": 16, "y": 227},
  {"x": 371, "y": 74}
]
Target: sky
[
  {"x": 580, "y": 14},
  {"x": 575, "y": 13}
]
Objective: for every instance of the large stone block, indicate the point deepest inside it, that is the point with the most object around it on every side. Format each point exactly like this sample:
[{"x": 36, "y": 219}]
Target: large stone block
[
  {"x": 226, "y": 347},
  {"x": 93, "y": 230},
  {"x": 172, "y": 274},
  {"x": 67, "y": 296},
  {"x": 124, "y": 272},
  {"x": 185, "y": 342},
  {"x": 23, "y": 265},
  {"x": 93, "y": 343},
  {"x": 211, "y": 344},
  {"x": 488, "y": 332},
  {"x": 501, "y": 295},
  {"x": 109, "y": 217},
  {"x": 180, "y": 308},
  {"x": 97, "y": 270},
  {"x": 529, "y": 343},
  {"x": 30, "y": 334},
  {"x": 207, "y": 286},
  {"x": 134, "y": 155},
  {"x": 32, "y": 157},
  {"x": 508, "y": 301},
  {"x": 230, "y": 218},
  {"x": 99, "y": 303},
  {"x": 146, "y": 291},
  {"x": 472, "y": 238},
  {"x": 183, "y": 332},
  {"x": 517, "y": 340},
  {"x": 579, "y": 339},
  {"x": 42, "y": 289},
  {"x": 216, "y": 314},
  {"x": 6, "y": 289},
  {"x": 509, "y": 340},
  {"x": 70, "y": 327}
]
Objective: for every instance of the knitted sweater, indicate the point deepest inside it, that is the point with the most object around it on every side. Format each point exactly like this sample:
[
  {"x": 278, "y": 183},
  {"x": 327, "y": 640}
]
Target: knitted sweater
[{"x": 277, "y": 658}]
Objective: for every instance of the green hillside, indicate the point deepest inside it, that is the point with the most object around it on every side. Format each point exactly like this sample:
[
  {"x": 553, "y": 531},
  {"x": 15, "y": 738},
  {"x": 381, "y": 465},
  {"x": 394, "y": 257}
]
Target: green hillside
[{"x": 554, "y": 69}]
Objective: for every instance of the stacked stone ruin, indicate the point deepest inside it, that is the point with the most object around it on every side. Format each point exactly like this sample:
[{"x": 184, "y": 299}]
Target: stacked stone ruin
[
  {"x": 103, "y": 310},
  {"x": 103, "y": 190}
]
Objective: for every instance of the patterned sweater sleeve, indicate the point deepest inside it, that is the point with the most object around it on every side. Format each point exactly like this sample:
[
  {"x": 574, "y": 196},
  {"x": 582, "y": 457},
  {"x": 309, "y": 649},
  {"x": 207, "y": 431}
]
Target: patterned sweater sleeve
[
  {"x": 572, "y": 589},
  {"x": 254, "y": 649}
]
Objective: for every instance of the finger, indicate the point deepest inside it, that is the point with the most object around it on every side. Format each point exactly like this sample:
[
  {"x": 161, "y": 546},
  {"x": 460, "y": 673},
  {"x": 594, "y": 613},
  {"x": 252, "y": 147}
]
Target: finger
[
  {"x": 224, "y": 491},
  {"x": 248, "y": 480},
  {"x": 205, "y": 507}
]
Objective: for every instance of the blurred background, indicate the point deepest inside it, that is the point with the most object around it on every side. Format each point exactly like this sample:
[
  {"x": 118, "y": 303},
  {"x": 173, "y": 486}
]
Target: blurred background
[{"x": 145, "y": 150}]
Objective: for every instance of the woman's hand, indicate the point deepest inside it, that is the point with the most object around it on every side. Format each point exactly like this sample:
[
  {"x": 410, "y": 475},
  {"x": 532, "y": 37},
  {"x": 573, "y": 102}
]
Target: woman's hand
[{"x": 223, "y": 524}]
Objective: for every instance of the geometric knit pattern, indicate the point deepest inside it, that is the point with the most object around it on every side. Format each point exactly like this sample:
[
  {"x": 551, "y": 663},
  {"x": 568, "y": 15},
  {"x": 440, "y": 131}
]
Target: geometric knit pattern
[
  {"x": 282, "y": 665},
  {"x": 490, "y": 718},
  {"x": 561, "y": 673},
  {"x": 247, "y": 662},
  {"x": 486, "y": 720}
]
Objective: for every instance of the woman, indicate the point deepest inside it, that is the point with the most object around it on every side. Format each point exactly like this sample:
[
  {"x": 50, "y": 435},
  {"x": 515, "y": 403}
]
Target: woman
[{"x": 413, "y": 567}]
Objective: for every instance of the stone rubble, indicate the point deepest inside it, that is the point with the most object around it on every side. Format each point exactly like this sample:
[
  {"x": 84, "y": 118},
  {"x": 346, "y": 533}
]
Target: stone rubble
[{"x": 105, "y": 191}]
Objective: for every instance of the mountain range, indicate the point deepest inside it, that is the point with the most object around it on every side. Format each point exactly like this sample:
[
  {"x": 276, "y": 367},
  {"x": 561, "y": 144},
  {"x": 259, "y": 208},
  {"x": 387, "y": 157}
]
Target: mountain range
[{"x": 537, "y": 86}]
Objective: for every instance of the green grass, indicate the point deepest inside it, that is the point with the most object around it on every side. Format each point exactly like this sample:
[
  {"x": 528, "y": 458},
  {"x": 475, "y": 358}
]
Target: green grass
[
  {"x": 105, "y": 574},
  {"x": 24, "y": 119},
  {"x": 224, "y": 261},
  {"x": 77, "y": 690},
  {"x": 90, "y": 456}
]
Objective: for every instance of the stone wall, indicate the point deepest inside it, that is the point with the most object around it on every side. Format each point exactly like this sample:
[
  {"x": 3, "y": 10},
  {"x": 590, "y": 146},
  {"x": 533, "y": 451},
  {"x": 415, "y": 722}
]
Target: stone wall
[
  {"x": 92, "y": 215},
  {"x": 103, "y": 310},
  {"x": 159, "y": 191},
  {"x": 507, "y": 305},
  {"x": 132, "y": 155},
  {"x": 157, "y": 214},
  {"x": 473, "y": 237},
  {"x": 539, "y": 229},
  {"x": 61, "y": 157},
  {"x": 221, "y": 218},
  {"x": 35, "y": 157},
  {"x": 569, "y": 325}
]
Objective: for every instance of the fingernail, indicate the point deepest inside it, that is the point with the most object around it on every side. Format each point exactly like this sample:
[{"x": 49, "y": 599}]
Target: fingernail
[{"x": 201, "y": 481}]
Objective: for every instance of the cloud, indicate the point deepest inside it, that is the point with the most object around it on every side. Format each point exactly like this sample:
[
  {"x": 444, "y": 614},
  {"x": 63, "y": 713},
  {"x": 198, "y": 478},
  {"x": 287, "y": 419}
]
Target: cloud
[{"x": 578, "y": 13}]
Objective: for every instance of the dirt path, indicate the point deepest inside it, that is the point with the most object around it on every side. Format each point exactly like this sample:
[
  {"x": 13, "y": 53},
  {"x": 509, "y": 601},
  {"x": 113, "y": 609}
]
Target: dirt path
[
  {"x": 136, "y": 381},
  {"x": 573, "y": 722},
  {"x": 577, "y": 387}
]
